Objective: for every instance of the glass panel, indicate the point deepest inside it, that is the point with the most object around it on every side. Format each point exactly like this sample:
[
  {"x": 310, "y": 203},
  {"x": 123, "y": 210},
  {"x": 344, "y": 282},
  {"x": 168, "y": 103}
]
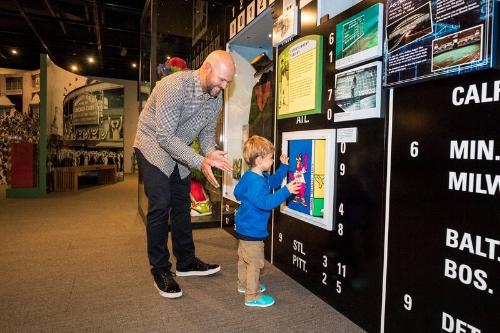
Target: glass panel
[{"x": 144, "y": 91}]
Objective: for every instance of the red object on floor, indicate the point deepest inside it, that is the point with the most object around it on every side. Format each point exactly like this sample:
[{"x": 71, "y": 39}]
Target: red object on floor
[
  {"x": 21, "y": 161},
  {"x": 197, "y": 191}
]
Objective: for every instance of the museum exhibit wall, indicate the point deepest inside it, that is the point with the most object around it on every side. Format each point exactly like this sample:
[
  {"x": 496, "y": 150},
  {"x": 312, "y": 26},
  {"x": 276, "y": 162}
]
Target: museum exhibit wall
[{"x": 388, "y": 111}]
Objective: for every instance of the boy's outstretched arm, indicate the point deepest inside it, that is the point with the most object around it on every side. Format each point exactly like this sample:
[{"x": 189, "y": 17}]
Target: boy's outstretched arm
[
  {"x": 276, "y": 178},
  {"x": 262, "y": 199}
]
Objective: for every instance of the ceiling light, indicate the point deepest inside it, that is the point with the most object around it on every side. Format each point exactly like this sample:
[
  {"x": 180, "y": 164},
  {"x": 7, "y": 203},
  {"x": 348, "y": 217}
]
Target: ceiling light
[
  {"x": 134, "y": 65},
  {"x": 90, "y": 60},
  {"x": 74, "y": 68},
  {"x": 13, "y": 51}
]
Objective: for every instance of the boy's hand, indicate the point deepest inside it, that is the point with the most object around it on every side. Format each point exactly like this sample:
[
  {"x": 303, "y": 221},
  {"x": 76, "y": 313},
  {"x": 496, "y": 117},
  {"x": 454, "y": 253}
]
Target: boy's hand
[
  {"x": 284, "y": 159},
  {"x": 294, "y": 187}
]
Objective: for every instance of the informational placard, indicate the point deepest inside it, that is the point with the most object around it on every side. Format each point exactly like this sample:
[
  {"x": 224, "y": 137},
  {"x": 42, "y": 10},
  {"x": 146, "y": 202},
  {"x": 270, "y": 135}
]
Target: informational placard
[
  {"x": 312, "y": 164},
  {"x": 300, "y": 72},
  {"x": 443, "y": 263},
  {"x": 85, "y": 110},
  {"x": 359, "y": 37},
  {"x": 358, "y": 92},
  {"x": 425, "y": 39}
]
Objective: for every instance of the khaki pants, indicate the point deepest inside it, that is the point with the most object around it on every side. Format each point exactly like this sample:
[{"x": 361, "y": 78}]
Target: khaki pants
[{"x": 250, "y": 262}]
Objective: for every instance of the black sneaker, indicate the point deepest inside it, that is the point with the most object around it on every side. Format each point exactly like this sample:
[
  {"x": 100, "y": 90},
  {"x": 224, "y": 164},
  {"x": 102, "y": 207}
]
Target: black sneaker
[
  {"x": 166, "y": 285},
  {"x": 198, "y": 268}
]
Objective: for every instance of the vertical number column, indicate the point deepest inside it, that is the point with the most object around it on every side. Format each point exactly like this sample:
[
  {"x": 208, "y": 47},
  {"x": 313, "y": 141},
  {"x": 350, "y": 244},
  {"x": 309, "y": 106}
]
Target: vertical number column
[
  {"x": 341, "y": 213},
  {"x": 329, "y": 75}
]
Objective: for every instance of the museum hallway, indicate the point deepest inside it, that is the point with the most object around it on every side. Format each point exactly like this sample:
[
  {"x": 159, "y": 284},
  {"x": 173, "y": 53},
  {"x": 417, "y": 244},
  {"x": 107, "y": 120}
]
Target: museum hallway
[{"x": 76, "y": 262}]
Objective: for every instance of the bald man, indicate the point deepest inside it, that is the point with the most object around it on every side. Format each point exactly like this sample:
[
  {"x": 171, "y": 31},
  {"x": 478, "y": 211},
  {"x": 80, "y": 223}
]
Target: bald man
[{"x": 182, "y": 107}]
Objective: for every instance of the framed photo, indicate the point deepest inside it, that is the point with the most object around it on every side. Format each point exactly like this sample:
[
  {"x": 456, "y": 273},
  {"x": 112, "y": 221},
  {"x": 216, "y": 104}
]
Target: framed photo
[
  {"x": 261, "y": 5},
  {"x": 312, "y": 164},
  {"x": 358, "y": 92},
  {"x": 300, "y": 68},
  {"x": 232, "y": 29},
  {"x": 251, "y": 11},
  {"x": 285, "y": 26},
  {"x": 359, "y": 38},
  {"x": 241, "y": 21}
]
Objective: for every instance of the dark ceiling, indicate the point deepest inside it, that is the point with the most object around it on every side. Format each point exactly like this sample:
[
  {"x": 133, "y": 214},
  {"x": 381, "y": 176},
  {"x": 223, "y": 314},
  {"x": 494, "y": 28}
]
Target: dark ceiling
[{"x": 70, "y": 31}]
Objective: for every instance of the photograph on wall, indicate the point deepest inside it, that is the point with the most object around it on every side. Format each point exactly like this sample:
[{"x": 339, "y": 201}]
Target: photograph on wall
[
  {"x": 300, "y": 67},
  {"x": 312, "y": 164},
  {"x": 241, "y": 21},
  {"x": 460, "y": 48},
  {"x": 358, "y": 92},
  {"x": 425, "y": 39},
  {"x": 250, "y": 12},
  {"x": 409, "y": 28},
  {"x": 232, "y": 29},
  {"x": 285, "y": 26},
  {"x": 261, "y": 5},
  {"x": 359, "y": 38}
]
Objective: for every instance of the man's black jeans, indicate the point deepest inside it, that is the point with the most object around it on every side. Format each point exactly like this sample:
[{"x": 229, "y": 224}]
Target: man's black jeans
[{"x": 167, "y": 195}]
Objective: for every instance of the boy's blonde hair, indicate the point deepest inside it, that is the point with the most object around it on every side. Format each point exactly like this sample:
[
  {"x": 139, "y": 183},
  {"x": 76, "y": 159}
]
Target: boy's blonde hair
[{"x": 254, "y": 147}]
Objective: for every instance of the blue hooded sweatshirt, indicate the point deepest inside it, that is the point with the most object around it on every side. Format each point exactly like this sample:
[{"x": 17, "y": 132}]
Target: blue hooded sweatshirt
[{"x": 257, "y": 201}]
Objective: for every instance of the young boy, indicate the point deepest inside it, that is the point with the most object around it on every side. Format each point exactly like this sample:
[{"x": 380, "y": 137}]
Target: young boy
[{"x": 254, "y": 191}]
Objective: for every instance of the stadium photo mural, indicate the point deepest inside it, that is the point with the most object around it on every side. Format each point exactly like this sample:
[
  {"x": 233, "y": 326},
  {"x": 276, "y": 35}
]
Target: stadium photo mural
[{"x": 312, "y": 162}]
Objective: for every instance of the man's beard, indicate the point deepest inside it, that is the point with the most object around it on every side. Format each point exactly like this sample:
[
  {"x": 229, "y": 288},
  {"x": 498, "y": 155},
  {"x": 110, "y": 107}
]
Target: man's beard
[{"x": 214, "y": 91}]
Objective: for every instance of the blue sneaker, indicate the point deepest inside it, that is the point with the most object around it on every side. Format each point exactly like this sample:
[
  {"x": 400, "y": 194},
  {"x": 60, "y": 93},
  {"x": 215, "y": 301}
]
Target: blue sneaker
[
  {"x": 262, "y": 288},
  {"x": 262, "y": 302}
]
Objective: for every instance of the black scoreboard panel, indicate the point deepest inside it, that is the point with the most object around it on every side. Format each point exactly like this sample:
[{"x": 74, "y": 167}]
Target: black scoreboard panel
[
  {"x": 342, "y": 266},
  {"x": 443, "y": 270}
]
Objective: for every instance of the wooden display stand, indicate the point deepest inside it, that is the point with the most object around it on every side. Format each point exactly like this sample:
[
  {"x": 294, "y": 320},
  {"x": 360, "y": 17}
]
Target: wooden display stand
[{"x": 66, "y": 178}]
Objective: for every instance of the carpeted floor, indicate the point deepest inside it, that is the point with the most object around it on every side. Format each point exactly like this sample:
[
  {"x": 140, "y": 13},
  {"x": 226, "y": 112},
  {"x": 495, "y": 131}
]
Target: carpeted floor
[{"x": 77, "y": 263}]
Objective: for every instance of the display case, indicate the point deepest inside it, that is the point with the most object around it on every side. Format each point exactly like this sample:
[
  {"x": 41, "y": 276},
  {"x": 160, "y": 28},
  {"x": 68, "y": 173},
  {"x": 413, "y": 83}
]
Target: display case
[{"x": 249, "y": 101}]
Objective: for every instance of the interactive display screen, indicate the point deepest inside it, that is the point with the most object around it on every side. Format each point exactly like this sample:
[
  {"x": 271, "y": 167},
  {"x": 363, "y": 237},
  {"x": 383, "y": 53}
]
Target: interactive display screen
[
  {"x": 359, "y": 38},
  {"x": 312, "y": 164},
  {"x": 434, "y": 38}
]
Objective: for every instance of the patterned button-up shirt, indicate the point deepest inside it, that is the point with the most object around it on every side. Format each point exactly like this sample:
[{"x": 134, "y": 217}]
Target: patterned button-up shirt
[{"x": 174, "y": 115}]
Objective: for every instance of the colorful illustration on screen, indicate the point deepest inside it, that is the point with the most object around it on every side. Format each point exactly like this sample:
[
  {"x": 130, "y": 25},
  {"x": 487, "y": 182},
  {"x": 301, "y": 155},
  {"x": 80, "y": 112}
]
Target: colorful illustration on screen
[{"x": 307, "y": 167}]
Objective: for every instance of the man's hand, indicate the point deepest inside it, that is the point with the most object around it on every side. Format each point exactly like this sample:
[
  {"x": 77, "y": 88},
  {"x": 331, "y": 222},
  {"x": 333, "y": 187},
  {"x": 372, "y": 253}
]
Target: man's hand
[
  {"x": 284, "y": 159},
  {"x": 219, "y": 160},
  {"x": 206, "y": 168}
]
